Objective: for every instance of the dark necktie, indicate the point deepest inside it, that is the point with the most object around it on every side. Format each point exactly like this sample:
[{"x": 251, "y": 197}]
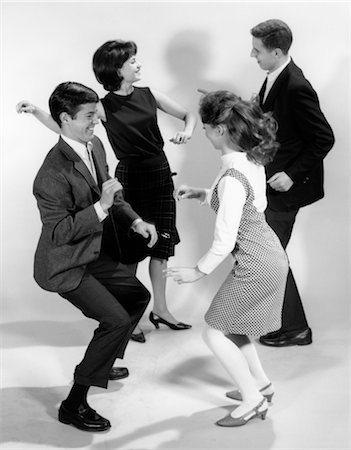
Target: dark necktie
[
  {"x": 262, "y": 91},
  {"x": 91, "y": 161}
]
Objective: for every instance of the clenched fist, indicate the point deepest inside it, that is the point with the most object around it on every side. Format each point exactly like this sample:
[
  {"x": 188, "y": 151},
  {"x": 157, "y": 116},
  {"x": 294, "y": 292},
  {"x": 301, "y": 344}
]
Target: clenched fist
[{"x": 109, "y": 188}]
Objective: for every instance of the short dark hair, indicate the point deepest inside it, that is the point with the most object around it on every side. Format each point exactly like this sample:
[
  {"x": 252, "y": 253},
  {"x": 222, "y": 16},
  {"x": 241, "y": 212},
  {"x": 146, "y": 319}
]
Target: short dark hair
[
  {"x": 108, "y": 59},
  {"x": 274, "y": 33},
  {"x": 68, "y": 97},
  {"x": 248, "y": 126}
]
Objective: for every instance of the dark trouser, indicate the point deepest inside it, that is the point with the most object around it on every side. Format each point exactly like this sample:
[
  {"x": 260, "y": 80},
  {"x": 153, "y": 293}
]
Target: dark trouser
[
  {"x": 112, "y": 295},
  {"x": 293, "y": 315}
]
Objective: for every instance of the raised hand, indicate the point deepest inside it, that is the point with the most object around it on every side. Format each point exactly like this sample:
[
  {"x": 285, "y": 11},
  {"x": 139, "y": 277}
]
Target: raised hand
[
  {"x": 184, "y": 192},
  {"x": 181, "y": 137},
  {"x": 109, "y": 188},
  {"x": 24, "y": 106}
]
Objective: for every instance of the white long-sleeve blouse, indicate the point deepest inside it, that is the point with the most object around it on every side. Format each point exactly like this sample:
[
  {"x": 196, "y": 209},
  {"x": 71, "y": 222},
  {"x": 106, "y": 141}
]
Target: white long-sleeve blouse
[{"x": 232, "y": 198}]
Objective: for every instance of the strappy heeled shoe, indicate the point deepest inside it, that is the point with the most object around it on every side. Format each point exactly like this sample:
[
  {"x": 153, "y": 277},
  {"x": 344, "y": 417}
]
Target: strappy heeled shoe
[
  {"x": 236, "y": 394},
  {"x": 138, "y": 337},
  {"x": 259, "y": 410},
  {"x": 156, "y": 320}
]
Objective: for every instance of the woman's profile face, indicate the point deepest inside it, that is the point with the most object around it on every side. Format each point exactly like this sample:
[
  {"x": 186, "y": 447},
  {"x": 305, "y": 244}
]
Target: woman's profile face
[
  {"x": 131, "y": 70},
  {"x": 212, "y": 134}
]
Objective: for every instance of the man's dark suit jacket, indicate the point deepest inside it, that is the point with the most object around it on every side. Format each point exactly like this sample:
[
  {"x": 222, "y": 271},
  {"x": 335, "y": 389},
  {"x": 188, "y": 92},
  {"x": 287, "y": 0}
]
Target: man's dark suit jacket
[
  {"x": 305, "y": 138},
  {"x": 72, "y": 235}
]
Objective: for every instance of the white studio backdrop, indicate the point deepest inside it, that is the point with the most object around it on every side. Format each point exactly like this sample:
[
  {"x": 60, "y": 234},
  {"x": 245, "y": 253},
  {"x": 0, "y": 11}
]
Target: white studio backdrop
[{"x": 182, "y": 46}]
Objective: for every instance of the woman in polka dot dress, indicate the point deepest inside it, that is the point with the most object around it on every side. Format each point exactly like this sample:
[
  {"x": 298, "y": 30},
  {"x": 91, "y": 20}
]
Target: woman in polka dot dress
[{"x": 249, "y": 303}]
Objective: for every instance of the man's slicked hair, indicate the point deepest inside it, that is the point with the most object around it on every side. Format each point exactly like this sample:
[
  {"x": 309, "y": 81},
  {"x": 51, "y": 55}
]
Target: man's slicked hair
[
  {"x": 68, "y": 97},
  {"x": 274, "y": 33}
]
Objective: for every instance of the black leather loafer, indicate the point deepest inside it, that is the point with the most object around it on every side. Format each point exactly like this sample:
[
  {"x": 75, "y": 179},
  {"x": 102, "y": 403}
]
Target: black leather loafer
[
  {"x": 117, "y": 373},
  {"x": 276, "y": 339},
  {"x": 86, "y": 419}
]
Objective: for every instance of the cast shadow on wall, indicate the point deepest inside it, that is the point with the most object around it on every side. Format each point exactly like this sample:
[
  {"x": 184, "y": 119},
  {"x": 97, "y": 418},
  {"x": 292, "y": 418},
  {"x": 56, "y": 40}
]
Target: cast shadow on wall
[{"x": 188, "y": 58}]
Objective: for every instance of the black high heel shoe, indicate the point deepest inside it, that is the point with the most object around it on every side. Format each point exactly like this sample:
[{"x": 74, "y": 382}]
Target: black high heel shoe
[
  {"x": 156, "y": 320},
  {"x": 138, "y": 337}
]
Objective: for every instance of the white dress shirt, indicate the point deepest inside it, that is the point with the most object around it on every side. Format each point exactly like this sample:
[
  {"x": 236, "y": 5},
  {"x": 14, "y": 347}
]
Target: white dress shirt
[
  {"x": 272, "y": 76},
  {"x": 82, "y": 152},
  {"x": 232, "y": 197}
]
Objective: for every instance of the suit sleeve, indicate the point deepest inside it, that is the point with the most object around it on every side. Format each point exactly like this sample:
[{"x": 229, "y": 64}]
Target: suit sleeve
[
  {"x": 123, "y": 214},
  {"x": 121, "y": 211},
  {"x": 313, "y": 129},
  {"x": 58, "y": 211}
]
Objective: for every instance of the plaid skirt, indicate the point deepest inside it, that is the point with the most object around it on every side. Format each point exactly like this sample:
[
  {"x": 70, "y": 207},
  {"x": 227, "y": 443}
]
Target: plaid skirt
[{"x": 148, "y": 187}]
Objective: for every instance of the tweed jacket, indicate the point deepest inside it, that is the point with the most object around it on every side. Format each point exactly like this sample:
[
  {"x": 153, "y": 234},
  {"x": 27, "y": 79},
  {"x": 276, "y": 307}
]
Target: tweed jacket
[{"x": 72, "y": 235}]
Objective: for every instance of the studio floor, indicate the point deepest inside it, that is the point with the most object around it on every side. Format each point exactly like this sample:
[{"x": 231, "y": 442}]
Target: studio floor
[{"x": 174, "y": 394}]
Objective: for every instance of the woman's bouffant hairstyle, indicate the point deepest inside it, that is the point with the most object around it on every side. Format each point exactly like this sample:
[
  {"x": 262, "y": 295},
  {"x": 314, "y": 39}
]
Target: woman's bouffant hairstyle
[
  {"x": 108, "y": 59},
  {"x": 69, "y": 97},
  {"x": 248, "y": 126},
  {"x": 274, "y": 33}
]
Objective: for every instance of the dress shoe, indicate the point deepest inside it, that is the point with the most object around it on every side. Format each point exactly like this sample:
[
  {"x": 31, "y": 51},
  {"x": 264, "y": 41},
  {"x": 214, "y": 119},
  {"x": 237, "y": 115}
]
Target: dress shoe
[
  {"x": 301, "y": 337},
  {"x": 236, "y": 394},
  {"x": 156, "y": 320},
  {"x": 117, "y": 373},
  {"x": 138, "y": 337},
  {"x": 259, "y": 410},
  {"x": 85, "y": 418}
]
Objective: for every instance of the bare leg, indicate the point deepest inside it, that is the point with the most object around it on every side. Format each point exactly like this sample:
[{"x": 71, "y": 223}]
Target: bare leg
[
  {"x": 158, "y": 282},
  {"x": 235, "y": 363}
]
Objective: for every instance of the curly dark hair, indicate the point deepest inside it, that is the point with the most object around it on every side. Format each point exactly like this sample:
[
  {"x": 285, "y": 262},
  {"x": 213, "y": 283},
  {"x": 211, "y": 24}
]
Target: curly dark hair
[
  {"x": 248, "y": 126},
  {"x": 110, "y": 57}
]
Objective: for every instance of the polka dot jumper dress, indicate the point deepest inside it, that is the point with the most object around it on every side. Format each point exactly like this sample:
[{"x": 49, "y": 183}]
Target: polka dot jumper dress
[{"x": 250, "y": 300}]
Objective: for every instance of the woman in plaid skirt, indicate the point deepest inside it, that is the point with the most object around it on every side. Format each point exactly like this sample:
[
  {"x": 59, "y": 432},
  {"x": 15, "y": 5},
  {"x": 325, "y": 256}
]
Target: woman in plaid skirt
[{"x": 129, "y": 115}]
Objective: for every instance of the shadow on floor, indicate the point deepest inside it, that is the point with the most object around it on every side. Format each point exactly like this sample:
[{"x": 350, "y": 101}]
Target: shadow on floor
[
  {"x": 29, "y": 415},
  {"x": 196, "y": 374},
  {"x": 42, "y": 332},
  {"x": 197, "y": 431}
]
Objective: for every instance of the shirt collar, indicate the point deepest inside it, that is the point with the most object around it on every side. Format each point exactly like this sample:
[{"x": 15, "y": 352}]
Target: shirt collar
[
  {"x": 233, "y": 158},
  {"x": 275, "y": 74},
  {"x": 78, "y": 147}
]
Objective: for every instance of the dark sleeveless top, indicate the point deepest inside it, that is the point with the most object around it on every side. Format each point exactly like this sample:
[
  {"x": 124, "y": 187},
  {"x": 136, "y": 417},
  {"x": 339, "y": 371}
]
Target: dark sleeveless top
[{"x": 131, "y": 125}]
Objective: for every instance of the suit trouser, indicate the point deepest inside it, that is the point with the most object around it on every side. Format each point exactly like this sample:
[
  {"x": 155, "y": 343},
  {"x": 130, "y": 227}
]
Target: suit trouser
[
  {"x": 293, "y": 315},
  {"x": 112, "y": 295}
]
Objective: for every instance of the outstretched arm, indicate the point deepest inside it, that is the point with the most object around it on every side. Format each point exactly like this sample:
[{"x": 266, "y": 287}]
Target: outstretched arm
[
  {"x": 44, "y": 117},
  {"x": 226, "y": 228},
  {"x": 169, "y": 106},
  {"x": 184, "y": 191},
  {"x": 184, "y": 274}
]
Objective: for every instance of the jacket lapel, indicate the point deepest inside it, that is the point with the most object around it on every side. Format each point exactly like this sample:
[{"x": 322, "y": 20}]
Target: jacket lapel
[
  {"x": 279, "y": 82},
  {"x": 79, "y": 165}
]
